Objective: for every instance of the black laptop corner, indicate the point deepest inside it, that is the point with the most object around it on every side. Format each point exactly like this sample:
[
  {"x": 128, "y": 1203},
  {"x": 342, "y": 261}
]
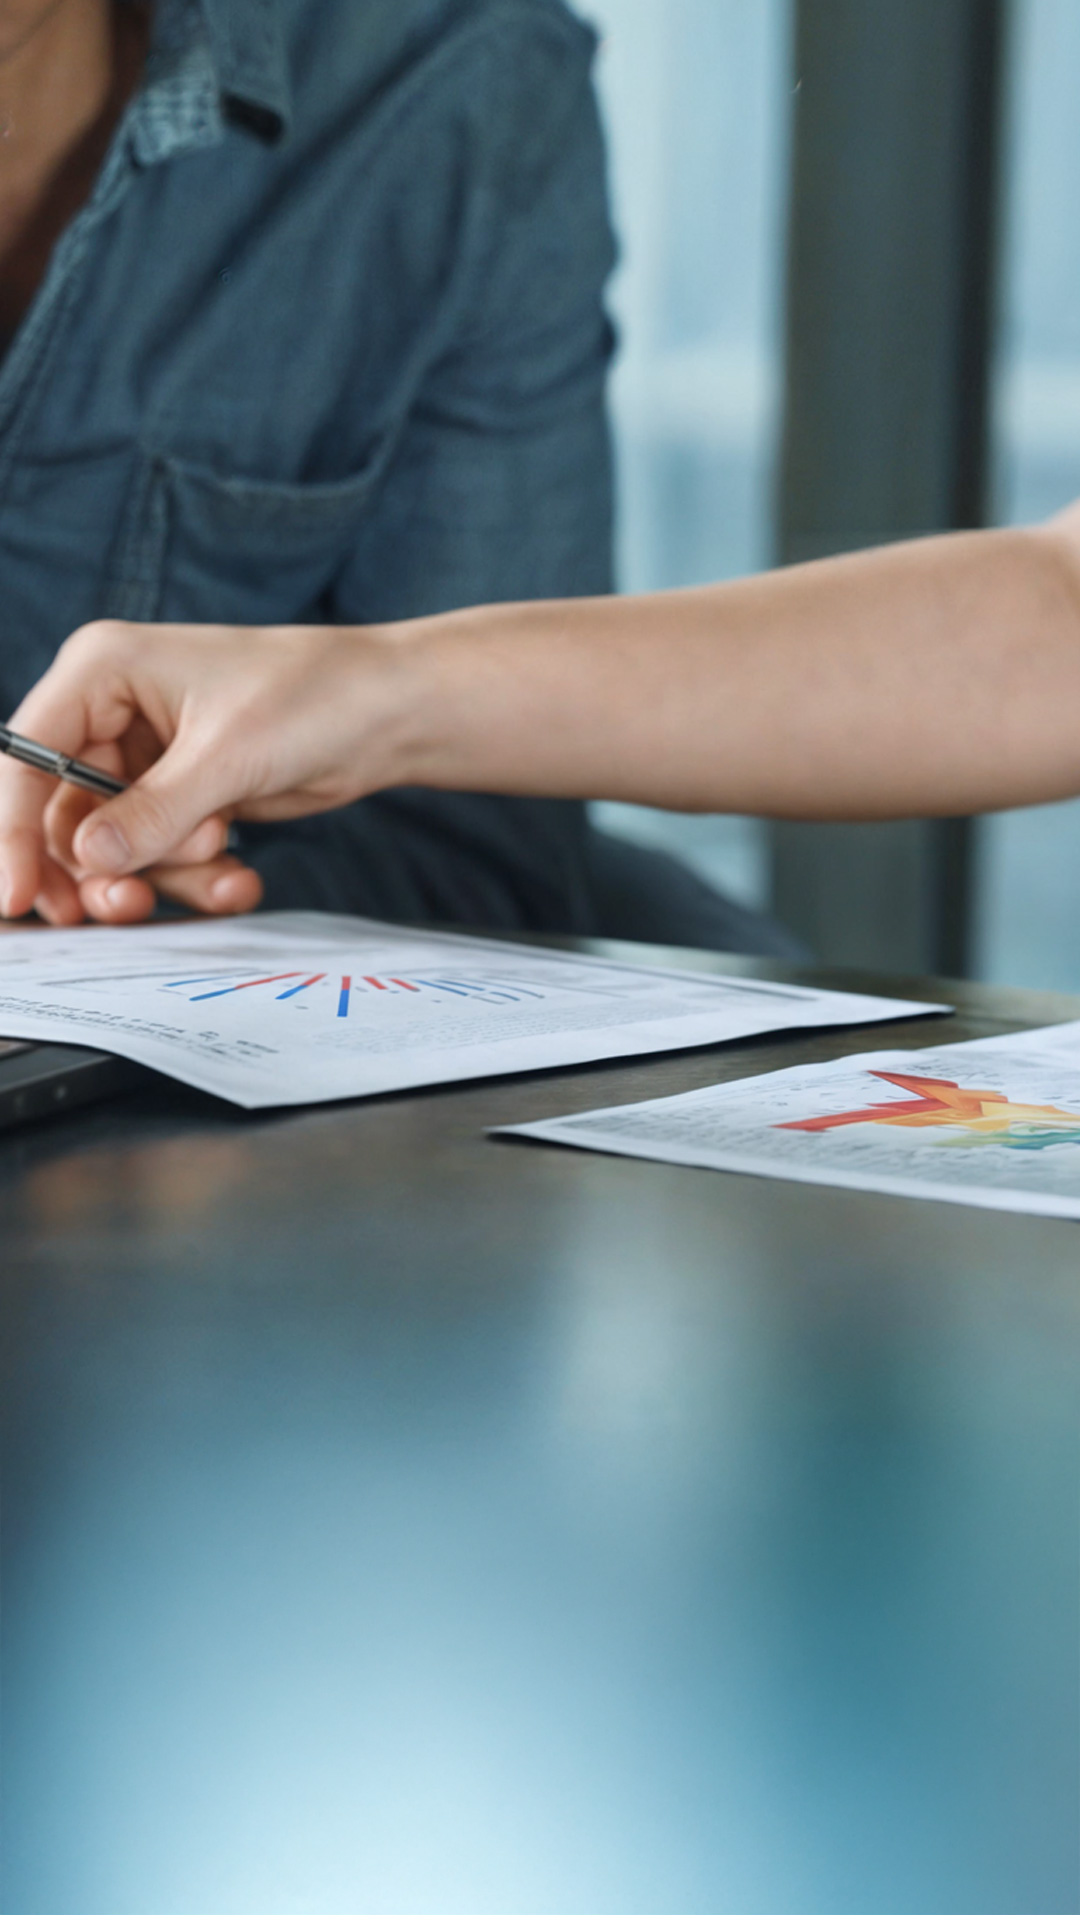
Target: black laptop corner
[{"x": 38, "y": 1079}]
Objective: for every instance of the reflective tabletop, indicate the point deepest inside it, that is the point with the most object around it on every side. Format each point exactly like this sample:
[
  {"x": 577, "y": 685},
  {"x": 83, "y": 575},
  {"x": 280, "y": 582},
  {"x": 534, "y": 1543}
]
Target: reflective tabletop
[{"x": 398, "y": 1519}]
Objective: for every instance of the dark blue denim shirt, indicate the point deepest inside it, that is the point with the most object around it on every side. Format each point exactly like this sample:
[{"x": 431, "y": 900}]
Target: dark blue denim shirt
[{"x": 327, "y": 342}]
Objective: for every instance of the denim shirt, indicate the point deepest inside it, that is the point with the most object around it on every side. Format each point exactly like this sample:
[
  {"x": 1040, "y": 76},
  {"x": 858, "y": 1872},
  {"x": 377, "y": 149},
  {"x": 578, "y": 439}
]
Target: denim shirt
[{"x": 327, "y": 343}]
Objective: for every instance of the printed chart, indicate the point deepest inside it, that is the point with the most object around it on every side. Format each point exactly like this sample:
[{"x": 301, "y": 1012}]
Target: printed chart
[
  {"x": 986, "y": 1123},
  {"x": 347, "y": 987},
  {"x": 975, "y": 1114},
  {"x": 276, "y": 1009}
]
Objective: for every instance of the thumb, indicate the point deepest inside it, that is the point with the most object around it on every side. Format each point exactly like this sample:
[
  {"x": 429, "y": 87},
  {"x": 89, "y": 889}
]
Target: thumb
[{"x": 147, "y": 823}]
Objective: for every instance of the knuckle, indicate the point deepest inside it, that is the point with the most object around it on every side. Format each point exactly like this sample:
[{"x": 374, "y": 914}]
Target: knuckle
[
  {"x": 151, "y": 813},
  {"x": 98, "y": 639}
]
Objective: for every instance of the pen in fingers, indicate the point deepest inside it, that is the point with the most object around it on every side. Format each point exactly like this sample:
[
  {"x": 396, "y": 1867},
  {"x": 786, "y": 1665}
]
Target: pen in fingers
[{"x": 61, "y": 765}]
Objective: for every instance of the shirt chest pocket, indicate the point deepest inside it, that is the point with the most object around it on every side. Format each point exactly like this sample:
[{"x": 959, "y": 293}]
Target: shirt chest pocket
[{"x": 201, "y": 546}]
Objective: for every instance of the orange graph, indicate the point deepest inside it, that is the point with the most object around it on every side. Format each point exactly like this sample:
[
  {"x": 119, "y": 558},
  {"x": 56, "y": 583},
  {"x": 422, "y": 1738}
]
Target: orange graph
[{"x": 978, "y": 1112}]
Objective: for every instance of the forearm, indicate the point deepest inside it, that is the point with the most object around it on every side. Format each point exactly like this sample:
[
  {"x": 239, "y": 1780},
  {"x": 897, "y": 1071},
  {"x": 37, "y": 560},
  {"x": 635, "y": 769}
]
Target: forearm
[{"x": 937, "y": 676}]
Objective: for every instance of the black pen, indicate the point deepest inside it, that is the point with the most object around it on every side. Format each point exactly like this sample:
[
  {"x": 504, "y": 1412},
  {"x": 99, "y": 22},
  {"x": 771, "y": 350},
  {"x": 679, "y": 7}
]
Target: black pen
[{"x": 60, "y": 765}]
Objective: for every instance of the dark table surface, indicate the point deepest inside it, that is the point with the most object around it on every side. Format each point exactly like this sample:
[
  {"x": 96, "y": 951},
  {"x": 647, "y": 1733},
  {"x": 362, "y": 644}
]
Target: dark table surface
[{"x": 394, "y": 1518}]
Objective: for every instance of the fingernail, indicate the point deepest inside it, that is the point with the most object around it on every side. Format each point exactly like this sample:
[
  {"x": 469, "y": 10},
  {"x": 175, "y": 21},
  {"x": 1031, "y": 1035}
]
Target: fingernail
[
  {"x": 115, "y": 893},
  {"x": 104, "y": 849},
  {"x": 222, "y": 890}
]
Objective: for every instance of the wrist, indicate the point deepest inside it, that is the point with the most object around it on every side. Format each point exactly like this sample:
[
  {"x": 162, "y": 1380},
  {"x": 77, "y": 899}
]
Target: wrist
[
  {"x": 462, "y": 694},
  {"x": 404, "y": 723}
]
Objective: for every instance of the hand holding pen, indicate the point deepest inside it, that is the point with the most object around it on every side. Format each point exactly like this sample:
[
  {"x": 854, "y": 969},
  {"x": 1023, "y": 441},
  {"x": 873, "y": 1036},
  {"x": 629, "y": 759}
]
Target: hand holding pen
[
  {"x": 40, "y": 817},
  {"x": 209, "y": 724}
]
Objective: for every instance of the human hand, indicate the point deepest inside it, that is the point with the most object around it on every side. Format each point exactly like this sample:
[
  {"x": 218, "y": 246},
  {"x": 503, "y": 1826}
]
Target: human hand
[{"x": 209, "y": 723}]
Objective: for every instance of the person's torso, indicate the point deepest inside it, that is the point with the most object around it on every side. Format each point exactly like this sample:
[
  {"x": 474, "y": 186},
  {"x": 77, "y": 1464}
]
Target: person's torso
[{"x": 202, "y": 401}]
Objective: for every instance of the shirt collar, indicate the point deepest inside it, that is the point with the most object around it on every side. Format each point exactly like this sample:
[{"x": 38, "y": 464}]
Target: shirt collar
[
  {"x": 209, "y": 61},
  {"x": 249, "y": 53}
]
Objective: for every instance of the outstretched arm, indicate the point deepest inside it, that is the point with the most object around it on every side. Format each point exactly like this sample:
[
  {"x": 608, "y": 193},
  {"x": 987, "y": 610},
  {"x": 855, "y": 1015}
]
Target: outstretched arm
[{"x": 938, "y": 676}]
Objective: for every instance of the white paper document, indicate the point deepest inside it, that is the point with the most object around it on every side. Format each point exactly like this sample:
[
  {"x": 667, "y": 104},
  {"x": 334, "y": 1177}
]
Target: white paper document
[
  {"x": 989, "y": 1123},
  {"x": 281, "y": 1008}
]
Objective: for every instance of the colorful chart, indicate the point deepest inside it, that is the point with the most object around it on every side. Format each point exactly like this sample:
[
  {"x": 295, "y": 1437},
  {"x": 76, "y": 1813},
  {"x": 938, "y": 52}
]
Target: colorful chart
[
  {"x": 980, "y": 1115},
  {"x": 347, "y": 987}
]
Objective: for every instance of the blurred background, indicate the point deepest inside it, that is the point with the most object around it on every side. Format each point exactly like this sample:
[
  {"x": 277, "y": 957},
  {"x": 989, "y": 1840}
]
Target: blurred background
[{"x": 850, "y": 272}]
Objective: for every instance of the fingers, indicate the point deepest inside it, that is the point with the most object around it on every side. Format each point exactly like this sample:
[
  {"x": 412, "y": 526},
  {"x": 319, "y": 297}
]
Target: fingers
[
  {"x": 23, "y": 797},
  {"x": 30, "y": 875},
  {"x": 198, "y": 874},
  {"x": 221, "y": 886},
  {"x": 70, "y": 806},
  {"x": 169, "y": 809},
  {"x": 218, "y": 886},
  {"x": 57, "y": 899},
  {"x": 117, "y": 902}
]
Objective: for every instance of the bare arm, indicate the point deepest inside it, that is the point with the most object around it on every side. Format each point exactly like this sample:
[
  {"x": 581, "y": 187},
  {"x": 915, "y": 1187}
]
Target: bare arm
[{"x": 938, "y": 676}]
